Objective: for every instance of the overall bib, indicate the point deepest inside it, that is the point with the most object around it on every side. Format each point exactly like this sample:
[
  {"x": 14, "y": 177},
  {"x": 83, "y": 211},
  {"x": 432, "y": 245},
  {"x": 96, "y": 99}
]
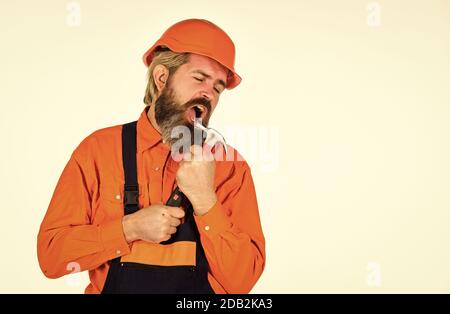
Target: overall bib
[{"x": 141, "y": 278}]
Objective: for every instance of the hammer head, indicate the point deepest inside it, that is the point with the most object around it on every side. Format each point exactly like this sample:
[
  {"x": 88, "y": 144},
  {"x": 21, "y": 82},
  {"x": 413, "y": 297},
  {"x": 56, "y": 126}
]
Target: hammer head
[{"x": 213, "y": 137}]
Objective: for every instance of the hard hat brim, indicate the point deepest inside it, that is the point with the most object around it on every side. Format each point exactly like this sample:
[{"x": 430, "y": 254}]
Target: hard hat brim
[{"x": 233, "y": 78}]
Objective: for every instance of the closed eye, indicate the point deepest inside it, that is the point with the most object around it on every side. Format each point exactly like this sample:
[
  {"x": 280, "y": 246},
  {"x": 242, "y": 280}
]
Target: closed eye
[{"x": 201, "y": 80}]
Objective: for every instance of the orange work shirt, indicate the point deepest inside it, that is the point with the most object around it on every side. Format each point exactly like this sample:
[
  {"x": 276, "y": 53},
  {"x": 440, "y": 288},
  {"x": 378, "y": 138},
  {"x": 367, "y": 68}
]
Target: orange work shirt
[{"x": 82, "y": 228}]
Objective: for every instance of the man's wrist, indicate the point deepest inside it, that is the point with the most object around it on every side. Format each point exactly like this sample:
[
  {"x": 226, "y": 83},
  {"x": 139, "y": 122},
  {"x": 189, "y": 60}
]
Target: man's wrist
[
  {"x": 205, "y": 204},
  {"x": 128, "y": 229}
]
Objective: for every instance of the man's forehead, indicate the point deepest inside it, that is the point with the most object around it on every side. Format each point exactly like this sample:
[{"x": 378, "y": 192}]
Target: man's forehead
[{"x": 206, "y": 65}]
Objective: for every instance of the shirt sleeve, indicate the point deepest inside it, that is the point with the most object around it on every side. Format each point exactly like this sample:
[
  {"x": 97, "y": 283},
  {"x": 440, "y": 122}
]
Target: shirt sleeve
[
  {"x": 67, "y": 239},
  {"x": 232, "y": 236}
]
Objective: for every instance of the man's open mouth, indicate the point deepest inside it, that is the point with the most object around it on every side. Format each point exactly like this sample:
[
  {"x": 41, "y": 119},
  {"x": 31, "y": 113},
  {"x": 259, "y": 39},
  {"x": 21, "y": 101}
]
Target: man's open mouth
[{"x": 196, "y": 112}]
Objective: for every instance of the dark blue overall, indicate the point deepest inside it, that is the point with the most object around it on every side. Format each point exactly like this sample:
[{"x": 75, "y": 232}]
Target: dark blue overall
[{"x": 142, "y": 278}]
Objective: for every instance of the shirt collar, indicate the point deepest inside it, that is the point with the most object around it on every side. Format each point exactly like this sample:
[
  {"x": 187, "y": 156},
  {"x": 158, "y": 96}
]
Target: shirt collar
[{"x": 147, "y": 135}]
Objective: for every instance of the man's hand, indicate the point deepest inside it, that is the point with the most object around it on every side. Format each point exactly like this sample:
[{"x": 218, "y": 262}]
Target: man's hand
[
  {"x": 155, "y": 223},
  {"x": 195, "y": 178}
]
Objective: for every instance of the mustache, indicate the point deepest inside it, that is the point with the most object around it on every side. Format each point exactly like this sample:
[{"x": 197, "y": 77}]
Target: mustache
[{"x": 197, "y": 101}]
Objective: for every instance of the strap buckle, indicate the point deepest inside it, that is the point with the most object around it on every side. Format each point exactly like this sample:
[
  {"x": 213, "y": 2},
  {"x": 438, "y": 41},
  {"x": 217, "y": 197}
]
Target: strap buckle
[{"x": 131, "y": 195}]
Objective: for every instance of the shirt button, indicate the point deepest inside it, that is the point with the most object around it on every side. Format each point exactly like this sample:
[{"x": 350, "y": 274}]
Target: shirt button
[
  {"x": 117, "y": 197},
  {"x": 207, "y": 228},
  {"x": 157, "y": 168},
  {"x": 118, "y": 252}
]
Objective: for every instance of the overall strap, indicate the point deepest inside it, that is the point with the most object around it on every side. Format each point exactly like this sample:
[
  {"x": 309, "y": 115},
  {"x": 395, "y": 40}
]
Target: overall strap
[
  {"x": 131, "y": 193},
  {"x": 129, "y": 149}
]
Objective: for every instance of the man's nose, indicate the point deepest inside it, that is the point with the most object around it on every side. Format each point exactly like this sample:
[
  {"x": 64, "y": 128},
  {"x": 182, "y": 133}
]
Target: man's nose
[{"x": 207, "y": 95}]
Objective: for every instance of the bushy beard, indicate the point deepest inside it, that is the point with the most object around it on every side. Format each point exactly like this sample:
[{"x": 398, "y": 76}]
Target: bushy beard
[{"x": 169, "y": 115}]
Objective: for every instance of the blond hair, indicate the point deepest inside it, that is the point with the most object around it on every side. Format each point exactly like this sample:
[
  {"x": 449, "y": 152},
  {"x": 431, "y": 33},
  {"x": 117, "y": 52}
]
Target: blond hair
[{"x": 171, "y": 60}]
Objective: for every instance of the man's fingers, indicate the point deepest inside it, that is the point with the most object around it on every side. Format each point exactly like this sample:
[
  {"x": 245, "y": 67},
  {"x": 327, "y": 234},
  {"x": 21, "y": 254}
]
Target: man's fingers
[
  {"x": 172, "y": 230},
  {"x": 166, "y": 238},
  {"x": 187, "y": 157},
  {"x": 176, "y": 212},
  {"x": 196, "y": 150},
  {"x": 198, "y": 153},
  {"x": 175, "y": 222}
]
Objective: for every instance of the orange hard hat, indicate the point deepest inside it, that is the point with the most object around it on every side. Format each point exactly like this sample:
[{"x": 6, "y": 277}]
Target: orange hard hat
[{"x": 200, "y": 37}]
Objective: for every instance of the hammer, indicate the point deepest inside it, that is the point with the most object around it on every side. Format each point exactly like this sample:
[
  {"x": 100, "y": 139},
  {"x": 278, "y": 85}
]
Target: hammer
[{"x": 213, "y": 137}]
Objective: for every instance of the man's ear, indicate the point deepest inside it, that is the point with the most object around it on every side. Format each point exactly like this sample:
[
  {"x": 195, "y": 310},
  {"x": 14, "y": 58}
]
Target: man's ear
[{"x": 160, "y": 76}]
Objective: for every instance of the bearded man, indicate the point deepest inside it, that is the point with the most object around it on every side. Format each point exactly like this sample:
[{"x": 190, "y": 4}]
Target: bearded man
[{"x": 112, "y": 212}]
